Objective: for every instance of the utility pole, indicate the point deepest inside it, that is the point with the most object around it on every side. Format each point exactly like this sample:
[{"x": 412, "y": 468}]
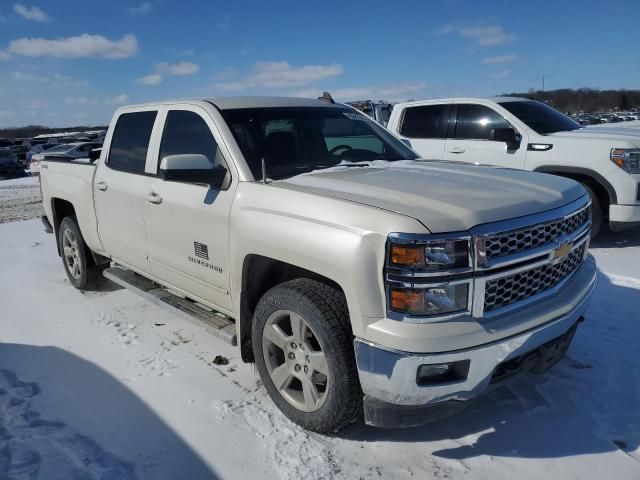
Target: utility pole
[{"x": 543, "y": 82}]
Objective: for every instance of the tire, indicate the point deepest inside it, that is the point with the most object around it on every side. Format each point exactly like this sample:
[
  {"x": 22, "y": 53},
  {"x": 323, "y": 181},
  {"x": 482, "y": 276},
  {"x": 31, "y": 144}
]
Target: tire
[
  {"x": 323, "y": 310},
  {"x": 596, "y": 211},
  {"x": 78, "y": 262}
]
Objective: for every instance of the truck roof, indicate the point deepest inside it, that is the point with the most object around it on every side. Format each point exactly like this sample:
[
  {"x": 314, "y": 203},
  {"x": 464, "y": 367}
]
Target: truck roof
[
  {"x": 467, "y": 99},
  {"x": 229, "y": 103}
]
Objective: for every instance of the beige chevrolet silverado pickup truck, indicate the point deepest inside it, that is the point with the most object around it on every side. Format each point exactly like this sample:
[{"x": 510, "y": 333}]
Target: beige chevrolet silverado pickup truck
[{"x": 357, "y": 277}]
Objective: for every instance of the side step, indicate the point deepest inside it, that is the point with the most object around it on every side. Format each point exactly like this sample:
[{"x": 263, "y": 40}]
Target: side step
[{"x": 213, "y": 322}]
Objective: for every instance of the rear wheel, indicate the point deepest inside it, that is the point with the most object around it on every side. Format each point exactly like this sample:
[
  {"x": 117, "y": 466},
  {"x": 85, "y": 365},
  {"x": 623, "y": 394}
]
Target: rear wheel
[
  {"x": 596, "y": 211},
  {"x": 78, "y": 262},
  {"x": 304, "y": 354}
]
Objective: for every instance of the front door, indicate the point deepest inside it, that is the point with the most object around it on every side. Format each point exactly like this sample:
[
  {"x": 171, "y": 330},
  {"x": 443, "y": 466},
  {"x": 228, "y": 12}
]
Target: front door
[
  {"x": 187, "y": 224},
  {"x": 469, "y": 140}
]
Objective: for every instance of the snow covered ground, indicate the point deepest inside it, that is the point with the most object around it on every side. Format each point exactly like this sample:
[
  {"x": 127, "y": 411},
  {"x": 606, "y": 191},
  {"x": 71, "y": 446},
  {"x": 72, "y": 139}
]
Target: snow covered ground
[
  {"x": 20, "y": 199},
  {"x": 106, "y": 385}
]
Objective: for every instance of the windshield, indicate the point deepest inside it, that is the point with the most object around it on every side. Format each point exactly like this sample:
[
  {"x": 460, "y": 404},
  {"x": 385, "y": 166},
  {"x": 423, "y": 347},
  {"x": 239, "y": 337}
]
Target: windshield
[
  {"x": 58, "y": 149},
  {"x": 541, "y": 117},
  {"x": 295, "y": 140}
]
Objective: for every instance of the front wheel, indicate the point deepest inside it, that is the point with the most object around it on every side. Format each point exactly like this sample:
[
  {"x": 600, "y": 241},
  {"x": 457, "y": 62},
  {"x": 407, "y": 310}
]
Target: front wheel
[
  {"x": 78, "y": 262},
  {"x": 304, "y": 354}
]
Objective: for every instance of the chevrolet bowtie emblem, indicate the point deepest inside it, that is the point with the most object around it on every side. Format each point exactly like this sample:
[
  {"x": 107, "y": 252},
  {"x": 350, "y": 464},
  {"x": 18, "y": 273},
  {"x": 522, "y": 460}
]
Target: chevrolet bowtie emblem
[{"x": 562, "y": 251}]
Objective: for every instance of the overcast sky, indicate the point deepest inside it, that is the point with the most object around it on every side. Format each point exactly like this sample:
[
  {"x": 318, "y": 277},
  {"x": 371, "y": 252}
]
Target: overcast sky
[{"x": 71, "y": 62}]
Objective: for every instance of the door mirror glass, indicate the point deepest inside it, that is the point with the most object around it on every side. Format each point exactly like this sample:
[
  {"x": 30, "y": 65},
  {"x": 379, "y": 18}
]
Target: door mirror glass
[
  {"x": 507, "y": 135},
  {"x": 94, "y": 154},
  {"x": 192, "y": 168}
]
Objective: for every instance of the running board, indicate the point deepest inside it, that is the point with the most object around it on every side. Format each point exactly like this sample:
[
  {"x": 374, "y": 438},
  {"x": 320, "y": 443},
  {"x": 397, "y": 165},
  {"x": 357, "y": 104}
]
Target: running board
[{"x": 213, "y": 322}]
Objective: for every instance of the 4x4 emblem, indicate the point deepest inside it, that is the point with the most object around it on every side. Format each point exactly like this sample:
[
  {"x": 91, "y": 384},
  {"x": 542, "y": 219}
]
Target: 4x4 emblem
[{"x": 562, "y": 251}]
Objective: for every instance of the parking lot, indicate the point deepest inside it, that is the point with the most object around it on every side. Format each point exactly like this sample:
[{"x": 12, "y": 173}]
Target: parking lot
[{"x": 105, "y": 384}]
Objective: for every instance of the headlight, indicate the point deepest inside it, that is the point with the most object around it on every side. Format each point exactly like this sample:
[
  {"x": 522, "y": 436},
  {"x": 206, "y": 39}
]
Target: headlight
[
  {"x": 626, "y": 158},
  {"x": 432, "y": 255},
  {"x": 437, "y": 300}
]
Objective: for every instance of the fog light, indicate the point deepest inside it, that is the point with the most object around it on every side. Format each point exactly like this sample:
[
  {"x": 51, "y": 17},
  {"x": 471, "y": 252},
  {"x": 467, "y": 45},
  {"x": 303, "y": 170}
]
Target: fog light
[{"x": 442, "y": 372}]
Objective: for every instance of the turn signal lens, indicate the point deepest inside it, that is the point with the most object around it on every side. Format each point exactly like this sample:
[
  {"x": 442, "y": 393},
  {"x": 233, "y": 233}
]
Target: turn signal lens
[
  {"x": 431, "y": 300},
  {"x": 407, "y": 300},
  {"x": 407, "y": 256}
]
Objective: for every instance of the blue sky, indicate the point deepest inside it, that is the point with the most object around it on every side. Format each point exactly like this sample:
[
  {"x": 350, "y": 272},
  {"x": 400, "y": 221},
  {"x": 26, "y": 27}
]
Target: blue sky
[{"x": 71, "y": 62}]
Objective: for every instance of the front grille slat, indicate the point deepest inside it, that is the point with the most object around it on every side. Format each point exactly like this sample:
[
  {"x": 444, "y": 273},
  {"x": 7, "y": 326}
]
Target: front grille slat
[
  {"x": 510, "y": 289},
  {"x": 517, "y": 241}
]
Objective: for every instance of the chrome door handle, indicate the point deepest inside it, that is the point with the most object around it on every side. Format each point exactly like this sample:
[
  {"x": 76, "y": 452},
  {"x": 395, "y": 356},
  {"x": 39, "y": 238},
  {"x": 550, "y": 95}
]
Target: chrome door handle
[
  {"x": 456, "y": 150},
  {"x": 154, "y": 198},
  {"x": 101, "y": 186}
]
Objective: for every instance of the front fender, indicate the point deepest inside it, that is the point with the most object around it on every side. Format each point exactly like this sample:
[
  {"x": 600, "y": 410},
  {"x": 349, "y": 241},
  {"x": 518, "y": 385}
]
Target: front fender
[{"x": 340, "y": 240}]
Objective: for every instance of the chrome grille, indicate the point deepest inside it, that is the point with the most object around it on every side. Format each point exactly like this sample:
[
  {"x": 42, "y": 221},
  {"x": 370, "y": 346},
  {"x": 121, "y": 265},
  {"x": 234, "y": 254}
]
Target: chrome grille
[
  {"x": 521, "y": 240},
  {"x": 504, "y": 291}
]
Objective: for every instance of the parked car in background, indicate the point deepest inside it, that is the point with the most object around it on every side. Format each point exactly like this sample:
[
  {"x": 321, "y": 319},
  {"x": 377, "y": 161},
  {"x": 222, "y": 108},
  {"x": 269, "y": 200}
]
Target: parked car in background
[
  {"x": 10, "y": 165},
  {"x": 379, "y": 110},
  {"x": 526, "y": 134},
  {"x": 21, "y": 152},
  {"x": 69, "y": 151},
  {"x": 356, "y": 276}
]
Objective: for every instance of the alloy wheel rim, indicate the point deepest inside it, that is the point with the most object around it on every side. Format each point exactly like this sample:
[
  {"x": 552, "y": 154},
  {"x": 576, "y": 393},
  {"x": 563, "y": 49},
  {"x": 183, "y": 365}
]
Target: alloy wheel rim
[
  {"x": 296, "y": 363},
  {"x": 71, "y": 253}
]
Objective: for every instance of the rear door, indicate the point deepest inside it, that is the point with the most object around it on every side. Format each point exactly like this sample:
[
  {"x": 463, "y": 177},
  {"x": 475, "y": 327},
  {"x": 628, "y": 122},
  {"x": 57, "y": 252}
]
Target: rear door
[
  {"x": 469, "y": 138},
  {"x": 119, "y": 189},
  {"x": 188, "y": 224},
  {"x": 425, "y": 126}
]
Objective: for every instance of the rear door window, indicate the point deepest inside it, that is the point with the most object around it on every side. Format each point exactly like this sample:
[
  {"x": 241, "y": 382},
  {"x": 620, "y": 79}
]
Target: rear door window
[
  {"x": 130, "y": 142},
  {"x": 426, "y": 121},
  {"x": 475, "y": 122}
]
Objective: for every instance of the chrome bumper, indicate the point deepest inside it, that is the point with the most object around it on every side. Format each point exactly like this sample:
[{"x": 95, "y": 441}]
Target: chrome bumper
[{"x": 390, "y": 376}]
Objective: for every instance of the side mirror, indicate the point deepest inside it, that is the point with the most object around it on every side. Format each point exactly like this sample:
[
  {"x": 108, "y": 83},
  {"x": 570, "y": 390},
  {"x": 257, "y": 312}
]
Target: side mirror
[
  {"x": 94, "y": 154},
  {"x": 507, "y": 135},
  {"x": 192, "y": 168}
]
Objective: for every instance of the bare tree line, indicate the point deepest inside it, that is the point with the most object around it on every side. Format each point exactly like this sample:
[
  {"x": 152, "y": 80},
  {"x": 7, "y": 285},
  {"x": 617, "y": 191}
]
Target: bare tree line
[{"x": 585, "y": 99}]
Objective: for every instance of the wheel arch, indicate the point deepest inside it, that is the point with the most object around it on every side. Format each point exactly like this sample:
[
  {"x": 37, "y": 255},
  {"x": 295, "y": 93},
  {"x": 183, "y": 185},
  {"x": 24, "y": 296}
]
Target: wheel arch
[
  {"x": 603, "y": 189},
  {"x": 61, "y": 208},
  {"x": 260, "y": 274}
]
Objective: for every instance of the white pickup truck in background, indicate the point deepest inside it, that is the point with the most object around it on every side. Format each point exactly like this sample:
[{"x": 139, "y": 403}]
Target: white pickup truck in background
[{"x": 525, "y": 134}]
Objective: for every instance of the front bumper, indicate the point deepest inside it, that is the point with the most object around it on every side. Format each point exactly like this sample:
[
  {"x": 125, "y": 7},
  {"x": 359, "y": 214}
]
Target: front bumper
[
  {"x": 624, "y": 216},
  {"x": 388, "y": 377}
]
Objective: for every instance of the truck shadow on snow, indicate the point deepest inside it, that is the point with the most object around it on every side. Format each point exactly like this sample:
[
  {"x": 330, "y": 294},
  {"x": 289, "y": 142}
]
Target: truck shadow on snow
[
  {"x": 625, "y": 238},
  {"x": 97, "y": 406},
  {"x": 586, "y": 404}
]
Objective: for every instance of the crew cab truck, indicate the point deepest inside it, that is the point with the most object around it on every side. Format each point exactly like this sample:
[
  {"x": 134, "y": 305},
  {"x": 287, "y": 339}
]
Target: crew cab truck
[
  {"x": 357, "y": 277},
  {"x": 525, "y": 134}
]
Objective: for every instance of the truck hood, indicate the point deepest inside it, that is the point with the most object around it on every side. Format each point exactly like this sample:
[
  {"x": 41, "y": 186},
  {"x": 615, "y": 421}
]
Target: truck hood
[
  {"x": 608, "y": 134},
  {"x": 443, "y": 196}
]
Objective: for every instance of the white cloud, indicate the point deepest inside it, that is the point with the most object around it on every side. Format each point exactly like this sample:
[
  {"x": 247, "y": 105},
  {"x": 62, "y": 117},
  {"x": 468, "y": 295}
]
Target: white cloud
[
  {"x": 4, "y": 55},
  {"x": 142, "y": 9},
  {"x": 394, "y": 92},
  {"x": 81, "y": 46},
  {"x": 33, "y": 13},
  {"x": 484, "y": 36},
  {"x": 501, "y": 74},
  {"x": 55, "y": 79},
  {"x": 225, "y": 23},
  {"x": 152, "y": 79},
  {"x": 500, "y": 59},
  {"x": 118, "y": 100},
  {"x": 182, "y": 68},
  {"x": 280, "y": 74}
]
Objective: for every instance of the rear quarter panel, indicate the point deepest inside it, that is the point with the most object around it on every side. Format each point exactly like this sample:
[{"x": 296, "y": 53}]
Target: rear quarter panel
[{"x": 73, "y": 182}]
